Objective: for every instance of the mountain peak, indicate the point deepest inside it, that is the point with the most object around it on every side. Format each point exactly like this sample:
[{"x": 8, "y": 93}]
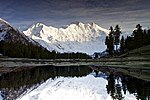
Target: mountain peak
[
  {"x": 2, "y": 20},
  {"x": 76, "y": 22},
  {"x": 81, "y": 23},
  {"x": 39, "y": 24},
  {"x": 93, "y": 24},
  {"x": 9, "y": 33},
  {"x": 76, "y": 37},
  {"x": 5, "y": 24}
]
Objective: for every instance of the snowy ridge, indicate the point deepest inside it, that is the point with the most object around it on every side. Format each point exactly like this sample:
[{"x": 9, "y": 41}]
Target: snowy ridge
[
  {"x": 76, "y": 37},
  {"x": 3, "y": 22}
]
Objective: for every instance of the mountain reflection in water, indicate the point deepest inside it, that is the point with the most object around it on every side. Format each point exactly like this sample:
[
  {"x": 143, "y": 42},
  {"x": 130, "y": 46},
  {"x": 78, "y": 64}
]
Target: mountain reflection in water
[{"x": 15, "y": 83}]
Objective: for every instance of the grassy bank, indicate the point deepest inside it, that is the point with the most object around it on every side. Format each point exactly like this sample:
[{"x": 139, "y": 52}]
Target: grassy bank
[{"x": 137, "y": 58}]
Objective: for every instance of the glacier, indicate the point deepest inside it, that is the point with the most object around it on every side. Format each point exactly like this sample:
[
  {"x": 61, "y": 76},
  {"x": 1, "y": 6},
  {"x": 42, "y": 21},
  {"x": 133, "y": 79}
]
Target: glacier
[
  {"x": 76, "y": 37},
  {"x": 72, "y": 88}
]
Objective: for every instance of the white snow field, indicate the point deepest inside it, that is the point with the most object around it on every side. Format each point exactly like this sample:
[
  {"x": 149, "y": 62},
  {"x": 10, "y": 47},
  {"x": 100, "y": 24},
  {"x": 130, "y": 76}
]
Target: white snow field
[{"x": 68, "y": 88}]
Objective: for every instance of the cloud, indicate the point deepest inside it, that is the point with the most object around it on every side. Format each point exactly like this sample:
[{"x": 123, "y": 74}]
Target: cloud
[{"x": 59, "y": 12}]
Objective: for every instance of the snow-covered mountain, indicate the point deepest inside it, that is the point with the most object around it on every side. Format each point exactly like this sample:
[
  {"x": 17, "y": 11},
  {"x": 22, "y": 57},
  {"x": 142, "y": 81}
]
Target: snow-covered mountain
[
  {"x": 10, "y": 33},
  {"x": 76, "y": 37}
]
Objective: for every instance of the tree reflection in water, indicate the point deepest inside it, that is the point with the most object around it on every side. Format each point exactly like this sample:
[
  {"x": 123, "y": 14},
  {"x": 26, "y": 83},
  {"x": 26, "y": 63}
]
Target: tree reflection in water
[
  {"x": 113, "y": 88},
  {"x": 118, "y": 85},
  {"x": 15, "y": 83}
]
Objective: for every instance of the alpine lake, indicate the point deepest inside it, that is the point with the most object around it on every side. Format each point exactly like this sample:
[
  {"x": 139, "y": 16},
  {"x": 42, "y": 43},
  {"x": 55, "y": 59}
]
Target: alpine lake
[{"x": 16, "y": 81}]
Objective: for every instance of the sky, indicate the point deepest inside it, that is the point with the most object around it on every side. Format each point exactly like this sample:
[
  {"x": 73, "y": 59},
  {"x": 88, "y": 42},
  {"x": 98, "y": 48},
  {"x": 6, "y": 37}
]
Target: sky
[{"x": 57, "y": 13}]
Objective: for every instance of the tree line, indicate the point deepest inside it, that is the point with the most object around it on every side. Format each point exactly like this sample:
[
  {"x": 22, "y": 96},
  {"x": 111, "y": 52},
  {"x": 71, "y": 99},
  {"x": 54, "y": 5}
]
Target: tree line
[
  {"x": 138, "y": 38},
  {"x": 20, "y": 50}
]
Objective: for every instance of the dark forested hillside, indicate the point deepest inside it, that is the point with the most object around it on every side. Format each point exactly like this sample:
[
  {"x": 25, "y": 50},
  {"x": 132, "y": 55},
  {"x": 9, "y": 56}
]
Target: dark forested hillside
[{"x": 19, "y": 50}]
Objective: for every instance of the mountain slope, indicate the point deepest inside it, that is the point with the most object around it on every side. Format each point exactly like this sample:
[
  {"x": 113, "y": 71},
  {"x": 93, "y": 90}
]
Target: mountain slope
[
  {"x": 76, "y": 37},
  {"x": 14, "y": 43},
  {"x": 10, "y": 34}
]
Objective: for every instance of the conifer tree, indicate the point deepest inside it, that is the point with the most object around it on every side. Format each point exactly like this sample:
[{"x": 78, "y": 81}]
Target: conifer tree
[
  {"x": 122, "y": 45},
  {"x": 138, "y": 36},
  {"x": 111, "y": 44},
  {"x": 109, "y": 41},
  {"x": 116, "y": 34}
]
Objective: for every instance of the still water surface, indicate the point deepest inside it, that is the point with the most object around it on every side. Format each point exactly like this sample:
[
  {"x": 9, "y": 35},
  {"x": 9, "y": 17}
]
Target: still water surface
[{"x": 14, "y": 84}]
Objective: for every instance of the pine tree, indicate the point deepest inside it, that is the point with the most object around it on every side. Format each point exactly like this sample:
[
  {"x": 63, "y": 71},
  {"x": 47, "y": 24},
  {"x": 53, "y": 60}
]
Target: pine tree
[
  {"x": 122, "y": 45},
  {"x": 116, "y": 34},
  {"x": 111, "y": 44},
  {"x": 109, "y": 41},
  {"x": 138, "y": 36}
]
